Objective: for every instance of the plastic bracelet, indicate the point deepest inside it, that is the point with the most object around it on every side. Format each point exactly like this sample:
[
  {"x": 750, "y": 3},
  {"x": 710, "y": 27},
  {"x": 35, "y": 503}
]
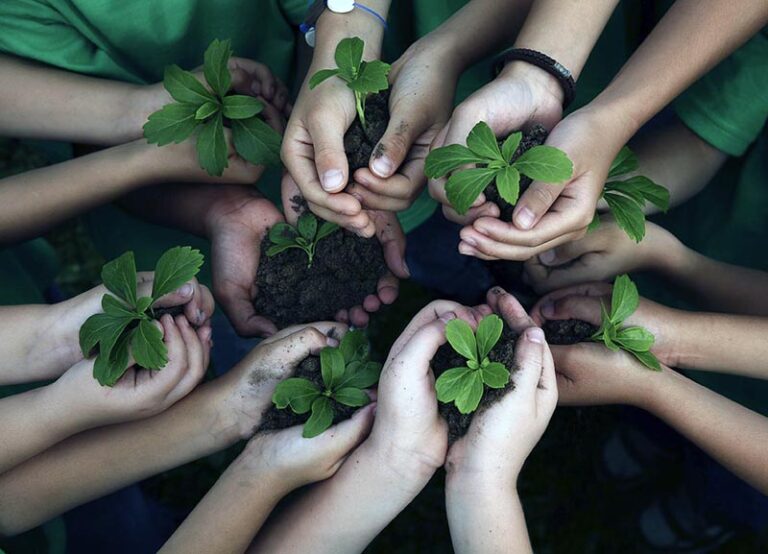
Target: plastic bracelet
[
  {"x": 542, "y": 61},
  {"x": 316, "y": 9}
]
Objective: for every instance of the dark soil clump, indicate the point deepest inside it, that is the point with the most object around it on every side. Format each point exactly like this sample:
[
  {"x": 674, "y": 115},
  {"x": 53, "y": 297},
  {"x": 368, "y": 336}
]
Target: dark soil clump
[
  {"x": 358, "y": 142},
  {"x": 346, "y": 268},
  {"x": 568, "y": 331},
  {"x": 275, "y": 419}
]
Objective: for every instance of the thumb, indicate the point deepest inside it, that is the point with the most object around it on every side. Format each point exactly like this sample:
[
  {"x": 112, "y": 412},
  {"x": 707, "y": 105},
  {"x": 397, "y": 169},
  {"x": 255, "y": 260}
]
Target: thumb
[
  {"x": 390, "y": 152},
  {"x": 415, "y": 355},
  {"x": 291, "y": 198},
  {"x": 392, "y": 239},
  {"x": 586, "y": 308},
  {"x": 344, "y": 437},
  {"x": 282, "y": 356}
]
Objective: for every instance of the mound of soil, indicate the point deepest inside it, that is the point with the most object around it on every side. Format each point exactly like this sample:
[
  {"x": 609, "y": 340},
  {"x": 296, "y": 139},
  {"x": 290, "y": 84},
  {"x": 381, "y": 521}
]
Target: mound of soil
[
  {"x": 568, "y": 331},
  {"x": 274, "y": 418},
  {"x": 358, "y": 142}
]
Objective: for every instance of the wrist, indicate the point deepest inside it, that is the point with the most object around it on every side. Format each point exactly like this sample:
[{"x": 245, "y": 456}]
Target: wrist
[
  {"x": 460, "y": 483},
  {"x": 140, "y": 102},
  {"x": 332, "y": 27},
  {"x": 410, "y": 471},
  {"x": 545, "y": 87}
]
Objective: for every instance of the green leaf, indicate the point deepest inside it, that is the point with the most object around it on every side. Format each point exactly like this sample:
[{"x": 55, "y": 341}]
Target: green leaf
[
  {"x": 101, "y": 328},
  {"x": 609, "y": 338},
  {"x": 628, "y": 215},
  {"x": 282, "y": 233},
  {"x": 148, "y": 347},
  {"x": 277, "y": 248},
  {"x": 442, "y": 161},
  {"x": 371, "y": 78},
  {"x": 360, "y": 375},
  {"x": 116, "y": 308},
  {"x": 594, "y": 224},
  {"x": 321, "y": 76},
  {"x": 461, "y": 338},
  {"x": 331, "y": 366},
  {"x": 212, "y": 147},
  {"x": 646, "y": 189},
  {"x": 451, "y": 382},
  {"x": 109, "y": 368},
  {"x": 307, "y": 226},
  {"x": 508, "y": 184},
  {"x": 546, "y": 164},
  {"x": 256, "y": 142},
  {"x": 215, "y": 61},
  {"x": 510, "y": 145},
  {"x": 488, "y": 334},
  {"x": 174, "y": 268},
  {"x": 172, "y": 123},
  {"x": 297, "y": 393},
  {"x": 326, "y": 228},
  {"x": 321, "y": 418},
  {"x": 624, "y": 299},
  {"x": 482, "y": 142},
  {"x": 349, "y": 55},
  {"x": 185, "y": 88},
  {"x": 636, "y": 339},
  {"x": 239, "y": 106},
  {"x": 647, "y": 359},
  {"x": 351, "y": 396},
  {"x": 206, "y": 110},
  {"x": 495, "y": 375},
  {"x": 354, "y": 346},
  {"x": 463, "y": 187},
  {"x": 143, "y": 304},
  {"x": 119, "y": 276},
  {"x": 625, "y": 162},
  {"x": 471, "y": 393}
]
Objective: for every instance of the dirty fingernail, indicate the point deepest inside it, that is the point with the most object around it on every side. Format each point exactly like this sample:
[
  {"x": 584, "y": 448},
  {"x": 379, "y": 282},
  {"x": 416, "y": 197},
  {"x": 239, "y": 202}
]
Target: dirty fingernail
[
  {"x": 525, "y": 218},
  {"x": 200, "y": 319},
  {"x": 534, "y": 334},
  {"x": 332, "y": 179},
  {"x": 382, "y": 166},
  {"x": 547, "y": 257}
]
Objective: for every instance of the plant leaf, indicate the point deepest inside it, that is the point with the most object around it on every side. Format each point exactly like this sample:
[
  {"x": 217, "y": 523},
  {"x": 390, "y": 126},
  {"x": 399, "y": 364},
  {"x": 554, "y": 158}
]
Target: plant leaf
[
  {"x": 351, "y": 396},
  {"x": 471, "y": 393},
  {"x": 463, "y": 187},
  {"x": 212, "y": 147},
  {"x": 119, "y": 276},
  {"x": 349, "y": 55},
  {"x": 321, "y": 76},
  {"x": 510, "y": 146},
  {"x": 143, "y": 304},
  {"x": 215, "y": 69},
  {"x": 488, "y": 334},
  {"x": 206, "y": 110},
  {"x": 442, "y": 161},
  {"x": 450, "y": 383},
  {"x": 482, "y": 142},
  {"x": 637, "y": 339},
  {"x": 508, "y": 184},
  {"x": 628, "y": 215},
  {"x": 277, "y": 248},
  {"x": 148, "y": 347},
  {"x": 326, "y": 228},
  {"x": 321, "y": 418},
  {"x": 495, "y": 375},
  {"x": 360, "y": 375},
  {"x": 546, "y": 164},
  {"x": 172, "y": 123},
  {"x": 331, "y": 366},
  {"x": 645, "y": 189},
  {"x": 238, "y": 106},
  {"x": 185, "y": 88},
  {"x": 371, "y": 78},
  {"x": 647, "y": 359},
  {"x": 297, "y": 393},
  {"x": 174, "y": 268},
  {"x": 101, "y": 328},
  {"x": 110, "y": 366},
  {"x": 624, "y": 299},
  {"x": 282, "y": 233},
  {"x": 116, "y": 308},
  {"x": 625, "y": 162},
  {"x": 354, "y": 346},
  {"x": 307, "y": 226},
  {"x": 256, "y": 142},
  {"x": 461, "y": 338}
]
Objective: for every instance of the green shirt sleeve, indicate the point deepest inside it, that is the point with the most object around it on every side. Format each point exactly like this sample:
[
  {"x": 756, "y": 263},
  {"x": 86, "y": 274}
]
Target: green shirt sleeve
[{"x": 728, "y": 106}]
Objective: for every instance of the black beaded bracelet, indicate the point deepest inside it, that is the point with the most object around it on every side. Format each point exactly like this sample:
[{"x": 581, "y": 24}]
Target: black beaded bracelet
[{"x": 544, "y": 62}]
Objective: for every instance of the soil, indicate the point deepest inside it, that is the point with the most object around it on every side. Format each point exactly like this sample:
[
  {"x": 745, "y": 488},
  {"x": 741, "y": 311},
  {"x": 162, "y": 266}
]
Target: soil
[
  {"x": 568, "y": 331},
  {"x": 358, "y": 142},
  {"x": 275, "y": 419}
]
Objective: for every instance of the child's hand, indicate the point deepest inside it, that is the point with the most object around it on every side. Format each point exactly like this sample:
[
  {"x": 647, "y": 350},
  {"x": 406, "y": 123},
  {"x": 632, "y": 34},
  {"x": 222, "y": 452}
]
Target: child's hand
[
  {"x": 141, "y": 393},
  {"x": 584, "y": 301},
  {"x": 502, "y": 436},
  {"x": 601, "y": 255}
]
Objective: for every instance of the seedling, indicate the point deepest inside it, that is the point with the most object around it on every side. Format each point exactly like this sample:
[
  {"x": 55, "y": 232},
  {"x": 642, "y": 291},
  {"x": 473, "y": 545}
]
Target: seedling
[
  {"x": 363, "y": 78},
  {"x": 204, "y": 110},
  {"x": 464, "y": 386},
  {"x": 627, "y": 198},
  {"x": 126, "y": 323},
  {"x": 305, "y": 236},
  {"x": 346, "y": 373},
  {"x": 541, "y": 163},
  {"x": 635, "y": 340}
]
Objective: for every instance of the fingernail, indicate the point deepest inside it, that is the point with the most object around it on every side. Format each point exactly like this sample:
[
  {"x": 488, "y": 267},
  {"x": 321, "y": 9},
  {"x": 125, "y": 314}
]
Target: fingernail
[
  {"x": 480, "y": 229},
  {"x": 470, "y": 241},
  {"x": 448, "y": 316},
  {"x": 548, "y": 309},
  {"x": 200, "y": 317},
  {"x": 406, "y": 270},
  {"x": 525, "y": 218},
  {"x": 534, "y": 334},
  {"x": 547, "y": 257},
  {"x": 186, "y": 290},
  {"x": 332, "y": 341},
  {"x": 205, "y": 334},
  {"x": 332, "y": 179},
  {"x": 497, "y": 291},
  {"x": 382, "y": 166},
  {"x": 466, "y": 249}
]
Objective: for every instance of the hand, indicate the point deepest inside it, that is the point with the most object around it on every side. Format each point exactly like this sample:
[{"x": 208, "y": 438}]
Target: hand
[
  {"x": 501, "y": 437},
  {"x": 601, "y": 255},
  {"x": 522, "y": 95},
  {"x": 141, "y": 393},
  {"x": 584, "y": 301},
  {"x": 548, "y": 215}
]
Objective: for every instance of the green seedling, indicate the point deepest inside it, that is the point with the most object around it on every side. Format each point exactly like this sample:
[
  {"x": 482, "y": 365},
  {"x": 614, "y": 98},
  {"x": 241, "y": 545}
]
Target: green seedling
[
  {"x": 126, "y": 325},
  {"x": 627, "y": 198},
  {"x": 204, "y": 111},
  {"x": 304, "y": 236},
  {"x": 464, "y": 386},
  {"x": 346, "y": 372},
  {"x": 363, "y": 78},
  {"x": 635, "y": 340},
  {"x": 491, "y": 163}
]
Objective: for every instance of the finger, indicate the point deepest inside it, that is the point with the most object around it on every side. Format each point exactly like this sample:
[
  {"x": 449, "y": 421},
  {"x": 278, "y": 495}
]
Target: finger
[
  {"x": 415, "y": 355},
  {"x": 503, "y": 250},
  {"x": 256, "y": 76},
  {"x": 330, "y": 158},
  {"x": 345, "y": 436},
  {"x": 431, "y": 312},
  {"x": 177, "y": 351},
  {"x": 388, "y": 288},
  {"x": 197, "y": 354},
  {"x": 487, "y": 209},
  {"x": 529, "y": 358},
  {"x": 570, "y": 251},
  {"x": 392, "y": 239},
  {"x": 371, "y": 200},
  {"x": 205, "y": 333},
  {"x": 508, "y": 307},
  {"x": 574, "y": 307},
  {"x": 273, "y": 116},
  {"x": 237, "y": 304},
  {"x": 359, "y": 224},
  {"x": 358, "y": 317},
  {"x": 283, "y": 355},
  {"x": 184, "y": 294},
  {"x": 333, "y": 330},
  {"x": 393, "y": 147},
  {"x": 587, "y": 268},
  {"x": 371, "y": 303},
  {"x": 547, "y": 391},
  {"x": 554, "y": 225},
  {"x": 534, "y": 203}
]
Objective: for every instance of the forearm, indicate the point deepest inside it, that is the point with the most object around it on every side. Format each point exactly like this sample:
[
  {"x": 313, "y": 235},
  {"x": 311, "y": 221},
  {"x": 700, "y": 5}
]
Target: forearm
[
  {"x": 485, "y": 519},
  {"x": 333, "y": 27},
  {"x": 344, "y": 513},
  {"x": 44, "y": 103},
  {"x": 733, "y": 435}
]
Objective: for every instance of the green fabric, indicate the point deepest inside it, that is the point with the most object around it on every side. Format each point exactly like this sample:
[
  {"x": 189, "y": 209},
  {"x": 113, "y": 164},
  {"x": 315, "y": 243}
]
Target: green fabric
[{"x": 26, "y": 271}]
